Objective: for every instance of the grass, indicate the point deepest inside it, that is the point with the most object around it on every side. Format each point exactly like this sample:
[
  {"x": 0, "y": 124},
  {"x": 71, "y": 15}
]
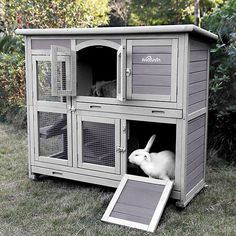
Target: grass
[{"x": 52, "y": 206}]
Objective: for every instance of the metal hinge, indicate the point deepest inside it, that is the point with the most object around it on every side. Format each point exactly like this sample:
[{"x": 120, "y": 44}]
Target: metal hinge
[{"x": 120, "y": 149}]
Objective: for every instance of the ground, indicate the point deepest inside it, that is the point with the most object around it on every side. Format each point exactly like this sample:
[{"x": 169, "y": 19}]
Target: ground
[{"x": 53, "y": 206}]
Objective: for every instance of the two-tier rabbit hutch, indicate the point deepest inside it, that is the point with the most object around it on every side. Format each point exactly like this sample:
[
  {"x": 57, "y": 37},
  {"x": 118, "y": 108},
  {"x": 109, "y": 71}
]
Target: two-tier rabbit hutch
[{"x": 95, "y": 95}]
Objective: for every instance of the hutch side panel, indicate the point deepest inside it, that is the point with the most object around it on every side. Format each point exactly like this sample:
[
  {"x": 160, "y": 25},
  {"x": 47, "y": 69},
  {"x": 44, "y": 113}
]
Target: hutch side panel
[
  {"x": 198, "y": 75},
  {"x": 195, "y": 163}
]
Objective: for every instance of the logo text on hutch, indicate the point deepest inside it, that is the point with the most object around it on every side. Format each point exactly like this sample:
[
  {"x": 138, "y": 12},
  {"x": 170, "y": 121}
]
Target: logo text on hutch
[{"x": 150, "y": 59}]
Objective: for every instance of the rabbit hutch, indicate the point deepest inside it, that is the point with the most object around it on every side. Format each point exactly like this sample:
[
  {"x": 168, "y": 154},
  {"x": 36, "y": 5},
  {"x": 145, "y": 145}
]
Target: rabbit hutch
[{"x": 95, "y": 95}]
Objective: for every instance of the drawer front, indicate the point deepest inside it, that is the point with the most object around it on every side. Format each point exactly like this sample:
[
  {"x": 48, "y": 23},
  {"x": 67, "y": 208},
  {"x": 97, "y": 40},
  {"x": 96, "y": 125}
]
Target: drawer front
[
  {"x": 154, "y": 112},
  {"x": 153, "y": 67}
]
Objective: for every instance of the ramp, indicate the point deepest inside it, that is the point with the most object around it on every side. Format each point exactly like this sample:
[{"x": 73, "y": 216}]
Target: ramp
[{"x": 138, "y": 202}]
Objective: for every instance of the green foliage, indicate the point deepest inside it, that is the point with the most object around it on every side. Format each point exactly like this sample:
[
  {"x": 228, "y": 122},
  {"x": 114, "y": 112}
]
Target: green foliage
[
  {"x": 53, "y": 14},
  {"x": 12, "y": 80},
  {"x": 222, "y": 99},
  {"x": 159, "y": 12}
]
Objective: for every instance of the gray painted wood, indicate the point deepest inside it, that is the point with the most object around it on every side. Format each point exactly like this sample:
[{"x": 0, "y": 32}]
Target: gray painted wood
[
  {"x": 151, "y": 69},
  {"x": 137, "y": 219},
  {"x": 194, "y": 164},
  {"x": 197, "y": 77},
  {"x": 195, "y": 144},
  {"x": 152, "y": 80},
  {"x": 198, "y": 55},
  {"x": 194, "y": 181},
  {"x": 134, "y": 210},
  {"x": 152, "y": 59},
  {"x": 152, "y": 49},
  {"x": 196, "y": 134},
  {"x": 46, "y": 43},
  {"x": 197, "y": 87},
  {"x": 197, "y": 97},
  {"x": 195, "y": 153},
  {"x": 197, "y": 45},
  {"x": 196, "y": 124},
  {"x": 137, "y": 201},
  {"x": 151, "y": 90},
  {"x": 196, "y": 106},
  {"x": 197, "y": 66},
  {"x": 137, "y": 195}
]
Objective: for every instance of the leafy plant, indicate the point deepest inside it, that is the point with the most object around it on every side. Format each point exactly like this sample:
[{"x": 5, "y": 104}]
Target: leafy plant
[
  {"x": 53, "y": 14},
  {"x": 222, "y": 99},
  {"x": 12, "y": 78}
]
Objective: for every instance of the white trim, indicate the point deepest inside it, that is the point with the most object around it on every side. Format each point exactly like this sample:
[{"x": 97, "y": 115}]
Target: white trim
[
  {"x": 96, "y": 42},
  {"x": 160, "y": 207},
  {"x": 120, "y": 30}
]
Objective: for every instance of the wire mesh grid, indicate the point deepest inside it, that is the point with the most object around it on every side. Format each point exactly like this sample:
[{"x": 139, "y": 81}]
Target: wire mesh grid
[
  {"x": 98, "y": 143},
  {"x": 52, "y": 135}
]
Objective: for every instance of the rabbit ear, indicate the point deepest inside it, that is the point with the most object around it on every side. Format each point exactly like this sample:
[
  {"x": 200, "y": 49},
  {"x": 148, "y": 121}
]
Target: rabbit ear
[{"x": 150, "y": 142}]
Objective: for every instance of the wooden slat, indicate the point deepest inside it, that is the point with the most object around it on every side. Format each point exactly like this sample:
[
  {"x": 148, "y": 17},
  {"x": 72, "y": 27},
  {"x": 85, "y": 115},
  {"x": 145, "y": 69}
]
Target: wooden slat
[
  {"x": 196, "y": 134},
  {"x": 197, "y": 97},
  {"x": 197, "y": 87},
  {"x": 151, "y": 80},
  {"x": 196, "y": 45},
  {"x": 196, "y": 106},
  {"x": 135, "y": 197},
  {"x": 144, "y": 186},
  {"x": 151, "y": 90},
  {"x": 195, "y": 144},
  {"x": 196, "y": 124},
  {"x": 198, "y": 55},
  {"x": 194, "y": 164},
  {"x": 151, "y": 69},
  {"x": 152, "y": 49},
  {"x": 194, "y": 173},
  {"x": 123, "y": 216},
  {"x": 197, "y": 77},
  {"x": 194, "y": 181},
  {"x": 134, "y": 210},
  {"x": 152, "y": 59},
  {"x": 193, "y": 155},
  {"x": 197, "y": 66}
]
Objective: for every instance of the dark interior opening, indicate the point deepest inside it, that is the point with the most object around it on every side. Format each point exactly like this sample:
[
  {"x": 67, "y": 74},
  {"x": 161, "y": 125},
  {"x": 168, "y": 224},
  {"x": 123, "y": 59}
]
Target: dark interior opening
[
  {"x": 96, "y": 71},
  {"x": 140, "y": 132}
]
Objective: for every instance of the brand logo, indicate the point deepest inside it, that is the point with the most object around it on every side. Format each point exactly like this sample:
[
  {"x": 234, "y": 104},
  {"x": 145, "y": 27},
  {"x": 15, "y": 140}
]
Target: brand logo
[{"x": 150, "y": 59}]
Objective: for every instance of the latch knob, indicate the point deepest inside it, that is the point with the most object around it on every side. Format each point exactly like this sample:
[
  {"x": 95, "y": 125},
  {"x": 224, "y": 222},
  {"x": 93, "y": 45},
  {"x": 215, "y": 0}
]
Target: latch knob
[{"x": 128, "y": 72}]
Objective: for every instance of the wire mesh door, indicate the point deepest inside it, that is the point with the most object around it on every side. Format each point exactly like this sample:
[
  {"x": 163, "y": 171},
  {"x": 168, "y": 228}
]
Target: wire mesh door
[
  {"x": 51, "y": 119},
  {"x": 99, "y": 141}
]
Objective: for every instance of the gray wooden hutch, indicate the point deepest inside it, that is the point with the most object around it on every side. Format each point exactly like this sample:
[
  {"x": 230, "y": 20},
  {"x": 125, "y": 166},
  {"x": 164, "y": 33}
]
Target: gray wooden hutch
[{"x": 156, "y": 81}]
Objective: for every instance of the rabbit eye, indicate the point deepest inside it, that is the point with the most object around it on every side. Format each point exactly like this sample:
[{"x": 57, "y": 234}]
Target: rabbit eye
[{"x": 136, "y": 155}]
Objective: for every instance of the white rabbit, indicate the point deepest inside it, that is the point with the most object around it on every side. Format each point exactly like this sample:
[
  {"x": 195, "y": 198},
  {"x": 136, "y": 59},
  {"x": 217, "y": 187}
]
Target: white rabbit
[{"x": 156, "y": 165}]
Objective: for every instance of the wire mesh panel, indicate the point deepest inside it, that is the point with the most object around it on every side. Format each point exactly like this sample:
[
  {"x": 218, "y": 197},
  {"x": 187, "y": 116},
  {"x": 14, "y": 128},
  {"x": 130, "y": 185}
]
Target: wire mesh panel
[
  {"x": 43, "y": 69},
  {"x": 53, "y": 135},
  {"x": 98, "y": 144},
  {"x": 63, "y": 71}
]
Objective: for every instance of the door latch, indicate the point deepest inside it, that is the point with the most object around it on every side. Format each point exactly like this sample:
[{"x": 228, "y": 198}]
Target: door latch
[
  {"x": 71, "y": 108},
  {"x": 128, "y": 72},
  {"x": 120, "y": 149}
]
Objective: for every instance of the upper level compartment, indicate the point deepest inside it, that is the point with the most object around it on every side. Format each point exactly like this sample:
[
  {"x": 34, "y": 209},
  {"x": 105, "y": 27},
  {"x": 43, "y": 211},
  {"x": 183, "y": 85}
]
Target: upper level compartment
[{"x": 152, "y": 69}]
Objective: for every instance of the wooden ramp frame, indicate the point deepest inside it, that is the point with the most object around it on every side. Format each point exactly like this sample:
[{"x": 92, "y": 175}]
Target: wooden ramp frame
[{"x": 138, "y": 202}]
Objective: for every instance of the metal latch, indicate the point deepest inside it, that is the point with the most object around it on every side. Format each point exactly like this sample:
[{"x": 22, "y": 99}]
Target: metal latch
[
  {"x": 120, "y": 149},
  {"x": 128, "y": 72},
  {"x": 71, "y": 108}
]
